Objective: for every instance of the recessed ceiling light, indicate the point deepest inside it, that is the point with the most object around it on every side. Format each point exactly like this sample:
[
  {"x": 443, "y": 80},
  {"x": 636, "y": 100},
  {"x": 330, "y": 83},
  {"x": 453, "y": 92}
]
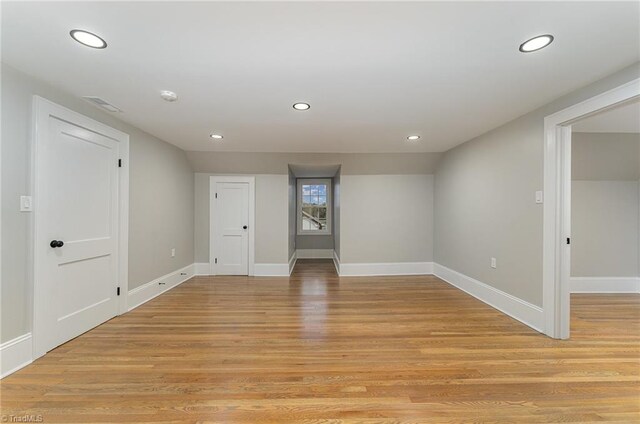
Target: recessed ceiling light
[
  {"x": 169, "y": 96},
  {"x": 301, "y": 106},
  {"x": 536, "y": 43},
  {"x": 216, "y": 136},
  {"x": 88, "y": 39},
  {"x": 413, "y": 137}
]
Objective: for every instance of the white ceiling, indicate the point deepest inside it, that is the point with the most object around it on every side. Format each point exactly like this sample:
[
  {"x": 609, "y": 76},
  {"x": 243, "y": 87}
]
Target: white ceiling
[
  {"x": 373, "y": 72},
  {"x": 623, "y": 119}
]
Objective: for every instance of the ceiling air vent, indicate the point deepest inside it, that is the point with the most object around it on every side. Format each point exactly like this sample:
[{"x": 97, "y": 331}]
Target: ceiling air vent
[{"x": 102, "y": 103}]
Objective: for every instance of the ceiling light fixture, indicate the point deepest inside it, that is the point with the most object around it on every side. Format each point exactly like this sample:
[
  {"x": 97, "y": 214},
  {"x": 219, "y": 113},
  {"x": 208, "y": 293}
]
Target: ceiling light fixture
[
  {"x": 169, "y": 96},
  {"x": 301, "y": 106},
  {"x": 536, "y": 43},
  {"x": 413, "y": 137},
  {"x": 88, "y": 39},
  {"x": 216, "y": 136}
]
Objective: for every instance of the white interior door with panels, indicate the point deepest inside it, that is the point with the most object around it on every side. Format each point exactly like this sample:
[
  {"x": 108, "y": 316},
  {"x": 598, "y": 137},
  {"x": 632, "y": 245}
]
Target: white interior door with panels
[
  {"x": 80, "y": 219},
  {"x": 232, "y": 232}
]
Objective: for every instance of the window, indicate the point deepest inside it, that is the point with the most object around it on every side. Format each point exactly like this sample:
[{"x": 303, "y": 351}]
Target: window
[{"x": 314, "y": 207}]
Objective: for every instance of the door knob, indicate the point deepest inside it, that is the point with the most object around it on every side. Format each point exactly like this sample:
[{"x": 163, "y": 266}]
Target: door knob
[
  {"x": 244, "y": 227},
  {"x": 56, "y": 243}
]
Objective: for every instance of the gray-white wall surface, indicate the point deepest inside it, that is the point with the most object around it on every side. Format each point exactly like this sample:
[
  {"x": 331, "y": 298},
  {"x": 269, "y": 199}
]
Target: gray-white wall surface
[
  {"x": 382, "y": 217},
  {"x": 386, "y": 218},
  {"x": 161, "y": 198},
  {"x": 272, "y": 218},
  {"x": 485, "y": 199},
  {"x": 336, "y": 212},
  {"x": 292, "y": 213},
  {"x": 605, "y": 208}
]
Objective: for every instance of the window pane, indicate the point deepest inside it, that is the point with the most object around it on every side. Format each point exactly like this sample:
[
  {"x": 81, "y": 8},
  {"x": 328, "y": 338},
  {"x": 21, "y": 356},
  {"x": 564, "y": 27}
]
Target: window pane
[
  {"x": 322, "y": 225},
  {"x": 306, "y": 189},
  {"x": 306, "y": 200},
  {"x": 322, "y": 190},
  {"x": 322, "y": 213},
  {"x": 314, "y": 189},
  {"x": 322, "y": 200}
]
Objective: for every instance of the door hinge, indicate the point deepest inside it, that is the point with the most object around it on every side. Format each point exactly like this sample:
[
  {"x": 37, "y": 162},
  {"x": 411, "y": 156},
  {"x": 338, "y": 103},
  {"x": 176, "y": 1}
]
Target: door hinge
[
  {"x": 119, "y": 163},
  {"x": 568, "y": 240},
  {"x": 118, "y": 291},
  {"x": 216, "y": 260}
]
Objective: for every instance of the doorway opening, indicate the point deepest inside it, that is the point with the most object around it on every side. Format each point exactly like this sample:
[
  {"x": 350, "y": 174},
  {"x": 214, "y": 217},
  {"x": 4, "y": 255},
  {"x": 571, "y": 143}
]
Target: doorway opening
[{"x": 557, "y": 237}]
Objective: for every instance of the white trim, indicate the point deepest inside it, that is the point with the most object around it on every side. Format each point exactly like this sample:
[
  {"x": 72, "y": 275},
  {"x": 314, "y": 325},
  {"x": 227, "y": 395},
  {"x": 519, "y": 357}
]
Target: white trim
[
  {"x": 15, "y": 354},
  {"x": 327, "y": 182},
  {"x": 42, "y": 110},
  {"x": 155, "y": 288},
  {"x": 336, "y": 262},
  {"x": 525, "y": 312},
  {"x": 292, "y": 261},
  {"x": 251, "y": 180},
  {"x": 605, "y": 284},
  {"x": 271, "y": 270},
  {"x": 202, "y": 268},
  {"x": 399, "y": 268},
  {"x": 314, "y": 253},
  {"x": 557, "y": 206}
]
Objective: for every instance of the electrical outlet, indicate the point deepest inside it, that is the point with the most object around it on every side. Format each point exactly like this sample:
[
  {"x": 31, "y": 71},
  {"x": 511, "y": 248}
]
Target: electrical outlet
[
  {"x": 494, "y": 263},
  {"x": 173, "y": 252}
]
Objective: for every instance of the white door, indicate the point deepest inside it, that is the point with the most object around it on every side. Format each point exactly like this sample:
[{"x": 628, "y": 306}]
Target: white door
[
  {"x": 231, "y": 228},
  {"x": 77, "y": 231}
]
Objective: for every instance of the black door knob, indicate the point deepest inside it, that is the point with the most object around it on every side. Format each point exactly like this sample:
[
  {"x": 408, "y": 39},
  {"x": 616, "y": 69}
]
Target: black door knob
[
  {"x": 56, "y": 243},
  {"x": 244, "y": 227}
]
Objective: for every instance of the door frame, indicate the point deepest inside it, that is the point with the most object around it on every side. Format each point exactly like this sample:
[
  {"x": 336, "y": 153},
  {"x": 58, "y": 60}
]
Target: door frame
[
  {"x": 251, "y": 180},
  {"x": 42, "y": 110},
  {"x": 556, "y": 256}
]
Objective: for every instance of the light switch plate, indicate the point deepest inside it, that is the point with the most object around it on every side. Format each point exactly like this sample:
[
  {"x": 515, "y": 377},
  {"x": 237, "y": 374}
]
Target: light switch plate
[
  {"x": 494, "y": 263},
  {"x": 26, "y": 204},
  {"x": 539, "y": 196},
  {"x": 173, "y": 253}
]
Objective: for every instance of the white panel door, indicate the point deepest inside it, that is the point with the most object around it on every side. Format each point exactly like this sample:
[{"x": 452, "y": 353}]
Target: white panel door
[
  {"x": 79, "y": 230},
  {"x": 231, "y": 221}
]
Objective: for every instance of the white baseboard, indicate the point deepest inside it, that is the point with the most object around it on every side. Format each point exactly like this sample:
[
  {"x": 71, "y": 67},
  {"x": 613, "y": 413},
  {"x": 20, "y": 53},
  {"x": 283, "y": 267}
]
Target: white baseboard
[
  {"x": 336, "y": 261},
  {"x": 148, "y": 291},
  {"x": 525, "y": 312},
  {"x": 271, "y": 270},
  {"x": 202, "y": 268},
  {"x": 15, "y": 354},
  {"x": 314, "y": 253},
  {"x": 605, "y": 285},
  {"x": 399, "y": 268},
  {"x": 292, "y": 261}
]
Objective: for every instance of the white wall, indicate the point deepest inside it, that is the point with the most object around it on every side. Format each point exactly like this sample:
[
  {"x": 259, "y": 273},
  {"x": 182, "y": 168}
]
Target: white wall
[
  {"x": 386, "y": 218},
  {"x": 161, "y": 199},
  {"x": 381, "y": 217},
  {"x": 605, "y": 205},
  {"x": 484, "y": 197},
  {"x": 272, "y": 218}
]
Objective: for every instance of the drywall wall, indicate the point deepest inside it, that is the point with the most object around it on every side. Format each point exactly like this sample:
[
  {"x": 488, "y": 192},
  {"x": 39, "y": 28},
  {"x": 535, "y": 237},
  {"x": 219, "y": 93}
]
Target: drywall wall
[
  {"x": 336, "y": 212},
  {"x": 381, "y": 217},
  {"x": 272, "y": 218},
  {"x": 278, "y": 163},
  {"x": 386, "y": 218},
  {"x": 605, "y": 206},
  {"x": 292, "y": 213},
  {"x": 485, "y": 199},
  {"x": 161, "y": 198}
]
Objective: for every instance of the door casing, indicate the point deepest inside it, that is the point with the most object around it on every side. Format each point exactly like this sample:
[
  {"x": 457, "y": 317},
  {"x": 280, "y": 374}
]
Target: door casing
[
  {"x": 42, "y": 110},
  {"x": 251, "y": 181}
]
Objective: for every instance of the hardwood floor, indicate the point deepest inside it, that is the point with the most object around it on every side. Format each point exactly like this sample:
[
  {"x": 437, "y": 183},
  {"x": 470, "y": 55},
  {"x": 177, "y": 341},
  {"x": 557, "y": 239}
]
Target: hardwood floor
[{"x": 319, "y": 349}]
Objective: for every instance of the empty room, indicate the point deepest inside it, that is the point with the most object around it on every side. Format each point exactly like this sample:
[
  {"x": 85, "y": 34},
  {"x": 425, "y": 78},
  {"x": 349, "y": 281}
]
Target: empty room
[{"x": 320, "y": 212}]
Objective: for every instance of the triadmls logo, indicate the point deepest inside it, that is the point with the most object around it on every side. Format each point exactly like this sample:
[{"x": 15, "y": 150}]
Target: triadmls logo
[{"x": 26, "y": 418}]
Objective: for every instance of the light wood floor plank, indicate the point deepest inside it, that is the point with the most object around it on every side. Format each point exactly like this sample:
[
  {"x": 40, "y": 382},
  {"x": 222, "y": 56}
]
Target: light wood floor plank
[{"x": 315, "y": 348}]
